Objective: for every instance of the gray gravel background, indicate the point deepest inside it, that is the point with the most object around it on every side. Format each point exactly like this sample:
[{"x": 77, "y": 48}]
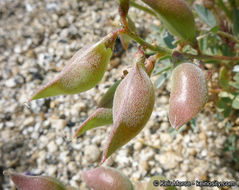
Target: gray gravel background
[{"x": 36, "y": 40}]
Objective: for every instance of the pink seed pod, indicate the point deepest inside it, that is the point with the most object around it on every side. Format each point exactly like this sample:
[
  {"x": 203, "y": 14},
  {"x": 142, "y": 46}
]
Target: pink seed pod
[
  {"x": 132, "y": 106},
  {"x": 188, "y": 94},
  {"x": 105, "y": 178},
  {"x": 84, "y": 70},
  {"x": 24, "y": 182}
]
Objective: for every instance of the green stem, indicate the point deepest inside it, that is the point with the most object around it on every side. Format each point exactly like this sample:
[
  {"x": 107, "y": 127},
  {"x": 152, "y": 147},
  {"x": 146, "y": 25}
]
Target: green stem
[
  {"x": 142, "y": 42},
  {"x": 225, "y": 9},
  {"x": 227, "y": 35},
  {"x": 163, "y": 70},
  {"x": 212, "y": 57},
  {"x": 145, "y": 9}
]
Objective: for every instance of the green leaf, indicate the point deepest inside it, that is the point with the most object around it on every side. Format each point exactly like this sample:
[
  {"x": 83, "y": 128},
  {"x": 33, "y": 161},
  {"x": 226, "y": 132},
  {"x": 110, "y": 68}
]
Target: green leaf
[
  {"x": 236, "y": 77},
  {"x": 234, "y": 84},
  {"x": 223, "y": 103},
  {"x": 224, "y": 78},
  {"x": 101, "y": 117},
  {"x": 236, "y": 21},
  {"x": 235, "y": 102},
  {"x": 159, "y": 82},
  {"x": 206, "y": 15},
  {"x": 168, "y": 40}
]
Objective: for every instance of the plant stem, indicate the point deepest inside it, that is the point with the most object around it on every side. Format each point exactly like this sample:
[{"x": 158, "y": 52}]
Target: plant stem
[
  {"x": 212, "y": 57},
  {"x": 142, "y": 42},
  {"x": 145, "y": 9},
  {"x": 163, "y": 70},
  {"x": 227, "y": 35}
]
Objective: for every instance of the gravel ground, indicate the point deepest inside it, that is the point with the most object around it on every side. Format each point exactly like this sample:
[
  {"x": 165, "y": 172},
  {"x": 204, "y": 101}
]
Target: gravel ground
[{"x": 36, "y": 40}]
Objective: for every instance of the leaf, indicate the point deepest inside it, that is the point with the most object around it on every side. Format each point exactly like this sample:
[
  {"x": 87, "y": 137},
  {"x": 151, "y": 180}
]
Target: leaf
[
  {"x": 236, "y": 69},
  {"x": 107, "y": 100},
  {"x": 224, "y": 78},
  {"x": 159, "y": 82},
  {"x": 236, "y": 77},
  {"x": 236, "y": 21},
  {"x": 206, "y": 15},
  {"x": 169, "y": 39},
  {"x": 223, "y": 103},
  {"x": 234, "y": 84},
  {"x": 102, "y": 116},
  {"x": 235, "y": 102}
]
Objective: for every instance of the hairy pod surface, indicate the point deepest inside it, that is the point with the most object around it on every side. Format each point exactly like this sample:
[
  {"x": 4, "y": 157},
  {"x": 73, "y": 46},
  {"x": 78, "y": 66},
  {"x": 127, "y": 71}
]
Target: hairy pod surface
[
  {"x": 102, "y": 116},
  {"x": 105, "y": 178},
  {"x": 132, "y": 106},
  {"x": 176, "y": 16},
  {"x": 24, "y": 182},
  {"x": 188, "y": 94},
  {"x": 84, "y": 70}
]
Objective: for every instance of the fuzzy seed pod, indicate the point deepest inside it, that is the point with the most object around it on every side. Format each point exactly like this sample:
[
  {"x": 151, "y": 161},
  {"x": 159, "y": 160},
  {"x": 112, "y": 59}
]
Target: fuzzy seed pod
[
  {"x": 101, "y": 117},
  {"x": 132, "y": 106},
  {"x": 24, "y": 182},
  {"x": 84, "y": 70},
  {"x": 188, "y": 94},
  {"x": 176, "y": 16},
  {"x": 105, "y": 178}
]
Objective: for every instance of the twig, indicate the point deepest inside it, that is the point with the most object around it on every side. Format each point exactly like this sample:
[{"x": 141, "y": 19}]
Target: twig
[
  {"x": 227, "y": 35},
  {"x": 212, "y": 57}
]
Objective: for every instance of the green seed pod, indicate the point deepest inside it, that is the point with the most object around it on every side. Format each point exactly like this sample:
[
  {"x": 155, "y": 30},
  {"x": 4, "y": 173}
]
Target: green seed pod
[
  {"x": 104, "y": 178},
  {"x": 188, "y": 94},
  {"x": 107, "y": 100},
  {"x": 84, "y": 70},
  {"x": 132, "y": 106},
  {"x": 176, "y": 16},
  {"x": 101, "y": 117},
  {"x": 24, "y": 182}
]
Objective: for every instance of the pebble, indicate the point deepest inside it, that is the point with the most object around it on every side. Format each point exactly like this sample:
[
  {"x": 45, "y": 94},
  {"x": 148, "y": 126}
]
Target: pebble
[
  {"x": 10, "y": 83},
  {"x": 91, "y": 153},
  {"x": 52, "y": 147}
]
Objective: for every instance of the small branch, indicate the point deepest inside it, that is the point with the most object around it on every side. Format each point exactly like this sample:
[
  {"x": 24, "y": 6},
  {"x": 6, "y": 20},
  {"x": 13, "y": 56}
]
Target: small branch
[
  {"x": 227, "y": 35},
  {"x": 145, "y": 9},
  {"x": 163, "y": 70},
  {"x": 212, "y": 57},
  {"x": 142, "y": 42}
]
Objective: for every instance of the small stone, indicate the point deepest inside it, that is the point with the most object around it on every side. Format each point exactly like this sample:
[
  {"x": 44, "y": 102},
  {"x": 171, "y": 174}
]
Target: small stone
[
  {"x": 51, "y": 170},
  {"x": 63, "y": 22},
  {"x": 52, "y": 147},
  {"x": 10, "y": 83},
  {"x": 28, "y": 121},
  {"x": 168, "y": 160},
  {"x": 58, "y": 124},
  {"x": 138, "y": 146},
  {"x": 92, "y": 153}
]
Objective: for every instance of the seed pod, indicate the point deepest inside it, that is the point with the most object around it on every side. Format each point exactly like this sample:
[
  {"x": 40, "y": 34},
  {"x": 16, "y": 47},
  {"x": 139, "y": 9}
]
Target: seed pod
[
  {"x": 132, "y": 106},
  {"x": 188, "y": 95},
  {"x": 24, "y": 182},
  {"x": 176, "y": 16},
  {"x": 102, "y": 116},
  {"x": 107, "y": 100},
  {"x": 84, "y": 70},
  {"x": 103, "y": 178}
]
